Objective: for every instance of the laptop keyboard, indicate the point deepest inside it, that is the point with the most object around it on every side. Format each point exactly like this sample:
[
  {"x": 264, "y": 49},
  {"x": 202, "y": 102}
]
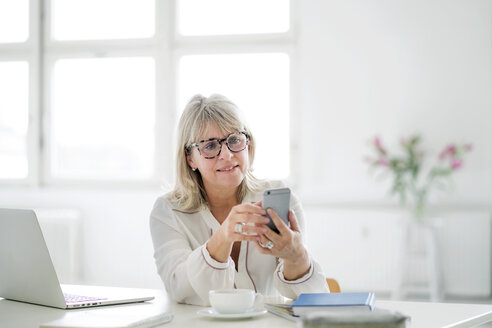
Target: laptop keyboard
[{"x": 71, "y": 298}]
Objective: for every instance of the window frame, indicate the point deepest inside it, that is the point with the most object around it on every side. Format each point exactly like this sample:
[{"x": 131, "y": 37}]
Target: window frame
[
  {"x": 29, "y": 51},
  {"x": 166, "y": 47},
  {"x": 249, "y": 44},
  {"x": 152, "y": 47}
]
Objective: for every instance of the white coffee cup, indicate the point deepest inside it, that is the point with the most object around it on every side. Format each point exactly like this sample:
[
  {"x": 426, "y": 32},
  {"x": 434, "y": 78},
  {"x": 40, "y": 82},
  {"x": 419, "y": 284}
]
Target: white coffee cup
[{"x": 229, "y": 301}]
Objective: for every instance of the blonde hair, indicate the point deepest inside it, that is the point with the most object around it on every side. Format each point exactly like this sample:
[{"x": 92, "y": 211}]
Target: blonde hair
[{"x": 189, "y": 192}]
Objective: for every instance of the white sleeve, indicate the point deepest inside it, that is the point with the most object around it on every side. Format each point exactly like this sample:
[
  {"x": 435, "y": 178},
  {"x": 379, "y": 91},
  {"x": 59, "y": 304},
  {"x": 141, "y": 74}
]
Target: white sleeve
[
  {"x": 187, "y": 274},
  {"x": 312, "y": 282}
]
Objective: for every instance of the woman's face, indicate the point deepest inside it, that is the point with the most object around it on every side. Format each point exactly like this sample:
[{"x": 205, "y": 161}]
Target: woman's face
[{"x": 224, "y": 172}]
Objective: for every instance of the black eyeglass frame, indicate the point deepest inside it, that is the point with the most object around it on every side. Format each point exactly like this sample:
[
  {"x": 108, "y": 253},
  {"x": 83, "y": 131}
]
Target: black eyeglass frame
[{"x": 220, "y": 141}]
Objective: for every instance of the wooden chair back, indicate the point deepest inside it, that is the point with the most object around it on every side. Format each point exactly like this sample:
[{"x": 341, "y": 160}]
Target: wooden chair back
[{"x": 333, "y": 285}]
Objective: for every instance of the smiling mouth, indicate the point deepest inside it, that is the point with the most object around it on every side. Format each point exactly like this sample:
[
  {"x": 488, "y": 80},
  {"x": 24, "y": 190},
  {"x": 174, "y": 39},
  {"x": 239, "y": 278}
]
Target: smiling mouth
[{"x": 228, "y": 169}]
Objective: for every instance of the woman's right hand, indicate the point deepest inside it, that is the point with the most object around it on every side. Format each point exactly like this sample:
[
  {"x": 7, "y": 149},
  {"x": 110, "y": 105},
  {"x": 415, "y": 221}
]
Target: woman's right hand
[
  {"x": 250, "y": 216},
  {"x": 252, "y": 219}
]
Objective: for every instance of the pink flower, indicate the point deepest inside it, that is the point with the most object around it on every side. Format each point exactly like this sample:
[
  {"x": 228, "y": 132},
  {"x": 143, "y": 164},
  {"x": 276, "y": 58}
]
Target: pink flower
[
  {"x": 379, "y": 146},
  {"x": 456, "y": 163},
  {"x": 450, "y": 150},
  {"x": 383, "y": 162},
  {"x": 377, "y": 142}
]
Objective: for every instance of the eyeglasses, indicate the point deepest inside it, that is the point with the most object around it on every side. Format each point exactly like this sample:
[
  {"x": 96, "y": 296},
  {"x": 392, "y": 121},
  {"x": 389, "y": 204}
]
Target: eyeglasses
[{"x": 211, "y": 148}]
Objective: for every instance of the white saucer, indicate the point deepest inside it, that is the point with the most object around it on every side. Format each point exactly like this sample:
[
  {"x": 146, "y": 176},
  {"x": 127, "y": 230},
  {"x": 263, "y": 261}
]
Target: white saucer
[{"x": 211, "y": 313}]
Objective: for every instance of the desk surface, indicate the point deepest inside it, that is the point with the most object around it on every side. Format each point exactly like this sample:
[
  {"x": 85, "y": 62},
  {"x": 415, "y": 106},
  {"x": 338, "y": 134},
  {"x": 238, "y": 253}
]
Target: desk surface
[{"x": 423, "y": 315}]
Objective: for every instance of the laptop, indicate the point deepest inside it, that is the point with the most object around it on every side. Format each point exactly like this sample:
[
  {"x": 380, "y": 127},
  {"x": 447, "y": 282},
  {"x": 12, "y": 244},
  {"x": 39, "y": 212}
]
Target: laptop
[{"x": 27, "y": 273}]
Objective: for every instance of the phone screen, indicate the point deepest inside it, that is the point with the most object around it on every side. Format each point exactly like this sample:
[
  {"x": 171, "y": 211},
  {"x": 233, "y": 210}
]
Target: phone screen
[{"x": 279, "y": 201}]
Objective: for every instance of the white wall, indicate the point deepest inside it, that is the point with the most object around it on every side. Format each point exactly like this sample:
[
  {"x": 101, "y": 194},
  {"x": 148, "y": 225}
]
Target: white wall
[
  {"x": 366, "y": 67},
  {"x": 393, "y": 68},
  {"x": 116, "y": 248}
]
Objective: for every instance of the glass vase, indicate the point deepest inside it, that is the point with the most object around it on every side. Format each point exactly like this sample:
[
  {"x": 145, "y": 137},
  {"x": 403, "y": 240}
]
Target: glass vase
[{"x": 418, "y": 272}]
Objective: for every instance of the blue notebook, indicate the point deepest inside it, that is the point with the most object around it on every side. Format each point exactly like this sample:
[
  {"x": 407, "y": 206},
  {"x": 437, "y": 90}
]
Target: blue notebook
[{"x": 306, "y": 303}]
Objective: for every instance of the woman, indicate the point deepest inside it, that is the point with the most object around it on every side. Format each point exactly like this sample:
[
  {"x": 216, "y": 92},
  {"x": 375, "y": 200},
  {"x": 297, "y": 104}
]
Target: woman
[{"x": 210, "y": 232}]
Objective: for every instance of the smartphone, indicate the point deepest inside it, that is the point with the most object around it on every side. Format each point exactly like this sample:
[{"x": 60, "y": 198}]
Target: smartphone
[{"x": 279, "y": 201}]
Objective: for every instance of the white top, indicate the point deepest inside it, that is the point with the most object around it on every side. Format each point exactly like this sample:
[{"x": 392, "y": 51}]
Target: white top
[{"x": 189, "y": 272}]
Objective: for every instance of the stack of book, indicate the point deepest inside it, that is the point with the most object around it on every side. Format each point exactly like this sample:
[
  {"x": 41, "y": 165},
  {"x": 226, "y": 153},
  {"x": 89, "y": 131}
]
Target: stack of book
[{"x": 319, "y": 302}]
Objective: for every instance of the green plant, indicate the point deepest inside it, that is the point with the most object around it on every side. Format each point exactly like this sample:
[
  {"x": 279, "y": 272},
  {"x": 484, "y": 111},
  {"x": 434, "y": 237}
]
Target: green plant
[{"x": 406, "y": 168}]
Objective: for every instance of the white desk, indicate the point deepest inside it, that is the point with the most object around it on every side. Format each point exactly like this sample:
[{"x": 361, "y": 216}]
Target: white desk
[{"x": 424, "y": 315}]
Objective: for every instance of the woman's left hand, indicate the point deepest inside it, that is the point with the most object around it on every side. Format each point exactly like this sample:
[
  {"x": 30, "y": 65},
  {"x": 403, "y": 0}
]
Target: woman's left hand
[{"x": 287, "y": 245}]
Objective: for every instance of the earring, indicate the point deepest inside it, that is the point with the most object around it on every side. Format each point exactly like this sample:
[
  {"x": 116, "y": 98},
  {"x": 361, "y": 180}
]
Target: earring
[{"x": 193, "y": 169}]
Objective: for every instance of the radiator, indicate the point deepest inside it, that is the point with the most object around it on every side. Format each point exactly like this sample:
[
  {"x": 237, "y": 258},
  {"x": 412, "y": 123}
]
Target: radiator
[
  {"x": 63, "y": 235},
  {"x": 359, "y": 249}
]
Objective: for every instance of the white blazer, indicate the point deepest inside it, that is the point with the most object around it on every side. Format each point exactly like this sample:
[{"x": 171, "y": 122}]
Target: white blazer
[{"x": 189, "y": 272}]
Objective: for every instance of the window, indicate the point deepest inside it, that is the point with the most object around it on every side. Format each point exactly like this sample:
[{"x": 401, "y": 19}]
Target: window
[
  {"x": 245, "y": 61},
  {"x": 259, "y": 84},
  {"x": 102, "y": 19},
  {"x": 221, "y": 17},
  {"x": 14, "y": 21},
  {"x": 93, "y": 93},
  {"x": 103, "y": 118},
  {"x": 15, "y": 70},
  {"x": 14, "y": 113},
  {"x": 101, "y": 90}
]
